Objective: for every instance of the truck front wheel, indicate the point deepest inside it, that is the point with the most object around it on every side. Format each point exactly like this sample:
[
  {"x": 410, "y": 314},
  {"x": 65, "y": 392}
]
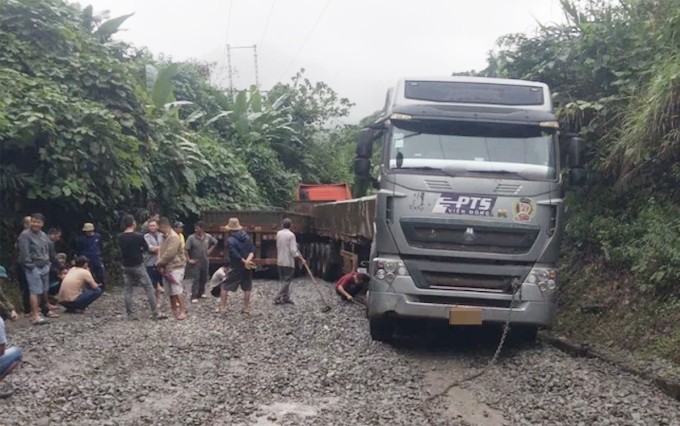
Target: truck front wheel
[{"x": 382, "y": 330}]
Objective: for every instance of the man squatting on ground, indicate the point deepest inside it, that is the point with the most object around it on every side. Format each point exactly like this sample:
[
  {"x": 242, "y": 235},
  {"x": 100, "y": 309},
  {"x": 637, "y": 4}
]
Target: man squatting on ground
[
  {"x": 10, "y": 358},
  {"x": 132, "y": 247},
  {"x": 198, "y": 247},
  {"x": 241, "y": 252},
  {"x": 171, "y": 265},
  {"x": 349, "y": 285},
  {"x": 89, "y": 245},
  {"x": 78, "y": 288},
  {"x": 286, "y": 253}
]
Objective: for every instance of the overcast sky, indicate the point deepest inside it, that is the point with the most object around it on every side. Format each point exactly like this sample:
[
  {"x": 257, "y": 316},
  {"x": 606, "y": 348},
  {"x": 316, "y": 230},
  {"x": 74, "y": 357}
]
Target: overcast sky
[{"x": 358, "y": 47}]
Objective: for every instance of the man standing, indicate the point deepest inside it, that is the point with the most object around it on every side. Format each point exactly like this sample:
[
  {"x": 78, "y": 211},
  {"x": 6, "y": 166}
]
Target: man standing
[
  {"x": 171, "y": 265},
  {"x": 34, "y": 256},
  {"x": 153, "y": 239},
  {"x": 78, "y": 288},
  {"x": 286, "y": 253},
  {"x": 132, "y": 247},
  {"x": 88, "y": 245},
  {"x": 179, "y": 229},
  {"x": 198, "y": 248},
  {"x": 21, "y": 274},
  {"x": 241, "y": 252}
]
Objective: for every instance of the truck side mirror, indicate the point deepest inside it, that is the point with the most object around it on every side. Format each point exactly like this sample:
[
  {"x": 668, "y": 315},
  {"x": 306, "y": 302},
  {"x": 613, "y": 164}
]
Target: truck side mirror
[
  {"x": 575, "y": 152},
  {"x": 362, "y": 167},
  {"x": 577, "y": 177}
]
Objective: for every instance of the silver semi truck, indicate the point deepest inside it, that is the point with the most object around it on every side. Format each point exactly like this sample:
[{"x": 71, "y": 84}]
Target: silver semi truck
[{"x": 470, "y": 205}]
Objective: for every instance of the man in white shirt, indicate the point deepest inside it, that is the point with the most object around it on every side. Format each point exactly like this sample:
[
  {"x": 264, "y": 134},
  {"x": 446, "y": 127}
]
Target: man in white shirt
[{"x": 286, "y": 253}]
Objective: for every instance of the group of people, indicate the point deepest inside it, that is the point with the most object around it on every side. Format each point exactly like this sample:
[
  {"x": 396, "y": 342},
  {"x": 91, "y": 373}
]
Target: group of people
[{"x": 158, "y": 259}]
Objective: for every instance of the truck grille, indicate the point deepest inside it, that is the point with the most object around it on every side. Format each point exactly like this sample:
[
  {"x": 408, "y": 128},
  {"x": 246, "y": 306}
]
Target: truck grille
[
  {"x": 469, "y": 237},
  {"x": 453, "y": 281}
]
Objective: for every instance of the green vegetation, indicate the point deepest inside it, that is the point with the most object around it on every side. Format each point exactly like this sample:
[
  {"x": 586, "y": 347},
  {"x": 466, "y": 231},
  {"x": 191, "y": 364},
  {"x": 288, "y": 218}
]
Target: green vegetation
[
  {"x": 614, "y": 68},
  {"x": 91, "y": 128}
]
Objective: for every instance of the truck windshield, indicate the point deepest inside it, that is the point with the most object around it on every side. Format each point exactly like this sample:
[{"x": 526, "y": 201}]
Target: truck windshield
[{"x": 466, "y": 148}]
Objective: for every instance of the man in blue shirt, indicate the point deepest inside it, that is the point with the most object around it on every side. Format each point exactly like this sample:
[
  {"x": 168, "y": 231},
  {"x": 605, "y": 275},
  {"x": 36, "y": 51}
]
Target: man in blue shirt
[{"x": 89, "y": 245}]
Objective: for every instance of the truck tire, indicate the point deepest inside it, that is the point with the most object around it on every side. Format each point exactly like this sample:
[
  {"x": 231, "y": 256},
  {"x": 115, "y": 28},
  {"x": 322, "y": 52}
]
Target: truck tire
[
  {"x": 382, "y": 330},
  {"x": 525, "y": 333}
]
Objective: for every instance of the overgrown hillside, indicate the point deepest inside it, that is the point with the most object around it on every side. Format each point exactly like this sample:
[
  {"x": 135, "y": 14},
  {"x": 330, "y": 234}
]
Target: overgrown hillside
[
  {"x": 614, "y": 68},
  {"x": 91, "y": 128}
]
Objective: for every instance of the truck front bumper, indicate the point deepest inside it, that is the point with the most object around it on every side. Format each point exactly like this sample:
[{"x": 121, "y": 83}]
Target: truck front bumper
[{"x": 382, "y": 300}]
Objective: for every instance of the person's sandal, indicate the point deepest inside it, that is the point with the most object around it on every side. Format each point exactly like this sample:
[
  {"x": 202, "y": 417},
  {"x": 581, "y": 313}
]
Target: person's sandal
[
  {"x": 181, "y": 316},
  {"x": 40, "y": 321},
  {"x": 160, "y": 317},
  {"x": 52, "y": 314}
]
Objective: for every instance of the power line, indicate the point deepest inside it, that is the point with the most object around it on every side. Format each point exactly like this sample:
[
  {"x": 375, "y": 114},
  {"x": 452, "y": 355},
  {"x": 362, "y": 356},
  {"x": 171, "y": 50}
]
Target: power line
[
  {"x": 306, "y": 40},
  {"x": 266, "y": 26}
]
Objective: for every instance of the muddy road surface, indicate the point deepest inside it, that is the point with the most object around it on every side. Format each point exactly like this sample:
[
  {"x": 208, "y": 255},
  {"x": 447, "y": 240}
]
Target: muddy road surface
[{"x": 294, "y": 365}]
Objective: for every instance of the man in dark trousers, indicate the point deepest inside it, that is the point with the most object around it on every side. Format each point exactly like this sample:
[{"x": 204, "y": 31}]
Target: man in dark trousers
[
  {"x": 198, "y": 247},
  {"x": 89, "y": 245},
  {"x": 132, "y": 248},
  {"x": 241, "y": 252},
  {"x": 286, "y": 253}
]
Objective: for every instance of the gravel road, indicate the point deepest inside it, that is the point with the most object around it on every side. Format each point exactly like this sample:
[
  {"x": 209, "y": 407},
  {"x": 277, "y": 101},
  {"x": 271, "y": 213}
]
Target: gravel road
[{"x": 292, "y": 365}]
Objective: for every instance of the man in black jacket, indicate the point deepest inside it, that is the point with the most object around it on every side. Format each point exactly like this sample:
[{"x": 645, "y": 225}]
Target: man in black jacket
[{"x": 241, "y": 252}]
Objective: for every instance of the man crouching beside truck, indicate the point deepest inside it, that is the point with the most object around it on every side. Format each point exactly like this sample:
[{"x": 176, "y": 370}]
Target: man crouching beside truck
[{"x": 349, "y": 285}]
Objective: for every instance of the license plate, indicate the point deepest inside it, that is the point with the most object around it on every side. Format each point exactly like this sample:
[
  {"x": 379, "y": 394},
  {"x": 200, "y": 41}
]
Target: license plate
[{"x": 465, "y": 315}]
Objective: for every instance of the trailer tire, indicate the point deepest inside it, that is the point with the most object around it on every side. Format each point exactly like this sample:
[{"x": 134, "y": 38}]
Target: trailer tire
[{"x": 382, "y": 329}]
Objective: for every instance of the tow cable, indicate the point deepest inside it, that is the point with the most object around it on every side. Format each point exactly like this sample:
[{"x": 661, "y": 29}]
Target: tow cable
[{"x": 516, "y": 287}]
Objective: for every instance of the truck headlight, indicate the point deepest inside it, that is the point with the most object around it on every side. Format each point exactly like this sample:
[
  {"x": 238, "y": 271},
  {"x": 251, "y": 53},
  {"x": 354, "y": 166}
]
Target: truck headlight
[
  {"x": 544, "y": 278},
  {"x": 388, "y": 269}
]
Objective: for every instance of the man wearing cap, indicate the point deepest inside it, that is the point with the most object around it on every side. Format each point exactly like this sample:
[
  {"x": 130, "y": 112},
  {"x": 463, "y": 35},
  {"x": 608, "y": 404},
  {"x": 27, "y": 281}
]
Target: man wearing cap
[
  {"x": 171, "y": 265},
  {"x": 286, "y": 253},
  {"x": 198, "y": 247},
  {"x": 241, "y": 252},
  {"x": 89, "y": 245}
]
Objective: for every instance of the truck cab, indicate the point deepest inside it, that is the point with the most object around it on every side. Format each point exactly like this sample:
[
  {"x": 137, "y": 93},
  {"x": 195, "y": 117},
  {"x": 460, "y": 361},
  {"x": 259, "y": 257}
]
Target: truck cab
[{"x": 470, "y": 205}]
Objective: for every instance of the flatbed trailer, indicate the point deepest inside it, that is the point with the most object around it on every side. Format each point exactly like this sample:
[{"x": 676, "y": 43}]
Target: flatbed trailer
[{"x": 334, "y": 237}]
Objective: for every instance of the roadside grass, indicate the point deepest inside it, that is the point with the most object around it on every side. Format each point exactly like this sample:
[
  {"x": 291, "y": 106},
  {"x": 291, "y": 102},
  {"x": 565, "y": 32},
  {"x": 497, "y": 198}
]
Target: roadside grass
[{"x": 598, "y": 307}]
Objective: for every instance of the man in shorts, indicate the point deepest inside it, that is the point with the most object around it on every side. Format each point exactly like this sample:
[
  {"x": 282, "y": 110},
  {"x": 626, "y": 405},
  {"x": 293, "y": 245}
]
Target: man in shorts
[
  {"x": 241, "y": 252},
  {"x": 171, "y": 265},
  {"x": 34, "y": 257}
]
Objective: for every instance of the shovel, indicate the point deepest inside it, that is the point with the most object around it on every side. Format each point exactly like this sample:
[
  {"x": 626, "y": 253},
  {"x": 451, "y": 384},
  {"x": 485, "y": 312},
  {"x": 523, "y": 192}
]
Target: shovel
[{"x": 326, "y": 307}]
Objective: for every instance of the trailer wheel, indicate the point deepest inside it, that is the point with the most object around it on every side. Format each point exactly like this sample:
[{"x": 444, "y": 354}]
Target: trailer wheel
[{"x": 382, "y": 330}]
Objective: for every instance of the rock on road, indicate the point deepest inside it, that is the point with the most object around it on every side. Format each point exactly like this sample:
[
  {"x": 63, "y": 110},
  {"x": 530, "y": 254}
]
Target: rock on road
[{"x": 294, "y": 365}]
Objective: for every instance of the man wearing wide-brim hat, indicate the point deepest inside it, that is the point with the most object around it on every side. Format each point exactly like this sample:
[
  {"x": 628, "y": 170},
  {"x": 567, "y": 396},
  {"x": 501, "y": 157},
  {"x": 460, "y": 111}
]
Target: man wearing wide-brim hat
[{"x": 240, "y": 251}]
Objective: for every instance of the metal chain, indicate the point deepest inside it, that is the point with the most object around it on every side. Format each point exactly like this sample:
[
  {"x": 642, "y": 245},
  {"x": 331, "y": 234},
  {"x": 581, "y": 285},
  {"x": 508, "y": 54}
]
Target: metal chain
[{"x": 506, "y": 328}]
